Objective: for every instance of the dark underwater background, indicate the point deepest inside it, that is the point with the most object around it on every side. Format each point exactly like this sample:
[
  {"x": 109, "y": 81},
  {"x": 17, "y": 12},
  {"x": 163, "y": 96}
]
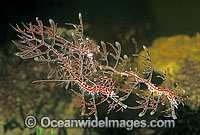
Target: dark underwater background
[{"x": 168, "y": 28}]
